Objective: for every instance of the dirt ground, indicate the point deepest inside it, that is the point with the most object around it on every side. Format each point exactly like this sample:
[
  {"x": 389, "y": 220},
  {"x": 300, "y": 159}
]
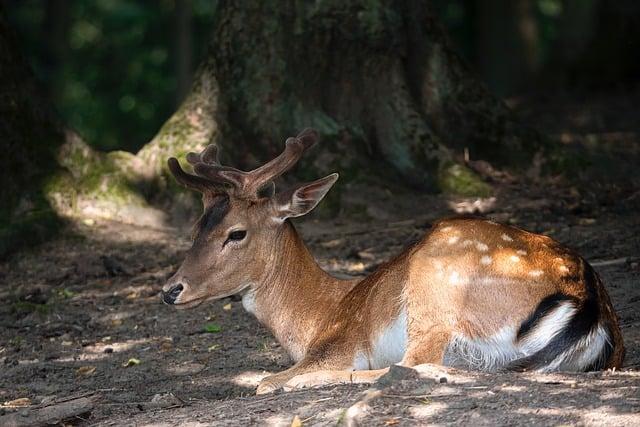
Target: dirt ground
[{"x": 82, "y": 325}]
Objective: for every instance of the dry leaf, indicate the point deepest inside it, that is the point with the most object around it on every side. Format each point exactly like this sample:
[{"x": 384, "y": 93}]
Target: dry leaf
[
  {"x": 356, "y": 266},
  {"x": 86, "y": 371},
  {"x": 133, "y": 295},
  {"x": 166, "y": 346},
  {"x": 296, "y": 422},
  {"x": 17, "y": 403},
  {"x": 391, "y": 422},
  {"x": 227, "y": 307},
  {"x": 131, "y": 362},
  {"x": 213, "y": 347}
]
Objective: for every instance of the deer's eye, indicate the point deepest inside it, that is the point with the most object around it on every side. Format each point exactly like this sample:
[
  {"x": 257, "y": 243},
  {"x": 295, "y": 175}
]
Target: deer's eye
[{"x": 236, "y": 236}]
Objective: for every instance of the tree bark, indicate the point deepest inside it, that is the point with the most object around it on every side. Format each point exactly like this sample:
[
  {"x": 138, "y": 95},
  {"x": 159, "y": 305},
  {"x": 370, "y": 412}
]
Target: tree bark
[{"x": 379, "y": 80}]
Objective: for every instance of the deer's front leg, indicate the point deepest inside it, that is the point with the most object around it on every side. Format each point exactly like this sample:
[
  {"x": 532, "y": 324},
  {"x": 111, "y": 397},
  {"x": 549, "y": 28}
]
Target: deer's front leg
[
  {"x": 332, "y": 377},
  {"x": 317, "y": 368},
  {"x": 277, "y": 381}
]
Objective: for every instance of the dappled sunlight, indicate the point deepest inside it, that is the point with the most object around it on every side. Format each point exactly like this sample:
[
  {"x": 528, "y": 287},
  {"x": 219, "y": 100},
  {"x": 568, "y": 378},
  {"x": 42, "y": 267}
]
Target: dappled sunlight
[
  {"x": 280, "y": 420},
  {"x": 429, "y": 410},
  {"x": 184, "y": 368},
  {"x": 249, "y": 379},
  {"x": 134, "y": 292},
  {"x": 117, "y": 347},
  {"x": 116, "y": 318}
]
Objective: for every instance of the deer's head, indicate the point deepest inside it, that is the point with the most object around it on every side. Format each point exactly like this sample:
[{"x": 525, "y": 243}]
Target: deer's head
[{"x": 235, "y": 237}]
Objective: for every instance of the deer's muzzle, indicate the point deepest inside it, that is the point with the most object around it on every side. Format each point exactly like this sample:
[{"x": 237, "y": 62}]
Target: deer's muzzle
[{"x": 171, "y": 295}]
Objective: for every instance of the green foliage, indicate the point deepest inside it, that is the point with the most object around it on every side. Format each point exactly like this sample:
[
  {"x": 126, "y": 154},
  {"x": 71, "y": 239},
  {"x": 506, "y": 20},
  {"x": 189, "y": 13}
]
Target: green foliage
[
  {"x": 212, "y": 328},
  {"x": 111, "y": 71},
  {"x": 457, "y": 179}
]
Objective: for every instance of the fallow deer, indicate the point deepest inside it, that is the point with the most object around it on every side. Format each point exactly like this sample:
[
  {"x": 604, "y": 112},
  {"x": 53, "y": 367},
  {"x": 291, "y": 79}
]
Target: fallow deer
[{"x": 471, "y": 293}]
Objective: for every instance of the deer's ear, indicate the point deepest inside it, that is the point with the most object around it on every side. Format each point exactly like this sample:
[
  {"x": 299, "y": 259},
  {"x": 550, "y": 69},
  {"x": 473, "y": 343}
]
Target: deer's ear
[{"x": 301, "y": 200}]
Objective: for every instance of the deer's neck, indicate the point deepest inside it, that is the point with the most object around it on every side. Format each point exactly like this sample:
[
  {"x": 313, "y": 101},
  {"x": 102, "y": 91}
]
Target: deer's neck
[{"x": 295, "y": 294}]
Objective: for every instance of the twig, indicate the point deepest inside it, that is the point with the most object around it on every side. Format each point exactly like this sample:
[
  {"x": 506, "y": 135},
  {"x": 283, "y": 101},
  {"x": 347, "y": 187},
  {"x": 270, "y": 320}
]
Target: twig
[
  {"x": 408, "y": 397},
  {"x": 608, "y": 262}
]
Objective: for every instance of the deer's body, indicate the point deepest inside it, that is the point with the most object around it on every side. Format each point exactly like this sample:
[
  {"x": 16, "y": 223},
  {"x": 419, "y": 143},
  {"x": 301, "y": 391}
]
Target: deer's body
[{"x": 472, "y": 293}]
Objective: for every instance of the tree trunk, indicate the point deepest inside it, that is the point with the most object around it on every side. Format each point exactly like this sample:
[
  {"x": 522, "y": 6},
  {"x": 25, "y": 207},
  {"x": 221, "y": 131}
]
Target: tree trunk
[
  {"x": 183, "y": 47},
  {"x": 379, "y": 80}
]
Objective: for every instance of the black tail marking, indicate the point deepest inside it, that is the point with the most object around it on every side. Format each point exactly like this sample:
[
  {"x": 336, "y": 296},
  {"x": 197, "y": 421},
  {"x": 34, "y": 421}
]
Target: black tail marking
[{"x": 583, "y": 322}]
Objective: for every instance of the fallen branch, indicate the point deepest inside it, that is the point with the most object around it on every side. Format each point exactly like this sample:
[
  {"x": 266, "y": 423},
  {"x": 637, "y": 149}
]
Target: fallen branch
[{"x": 53, "y": 413}]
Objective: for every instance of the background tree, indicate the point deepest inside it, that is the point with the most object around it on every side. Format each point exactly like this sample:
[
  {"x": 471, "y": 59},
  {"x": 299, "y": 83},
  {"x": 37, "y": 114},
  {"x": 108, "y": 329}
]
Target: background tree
[{"x": 380, "y": 80}]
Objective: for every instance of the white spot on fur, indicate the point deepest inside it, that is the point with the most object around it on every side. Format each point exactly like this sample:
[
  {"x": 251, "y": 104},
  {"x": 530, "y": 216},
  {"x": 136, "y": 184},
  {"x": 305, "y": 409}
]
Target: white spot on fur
[
  {"x": 482, "y": 247},
  {"x": 390, "y": 346},
  {"x": 514, "y": 258},
  {"x": 455, "y": 278},
  {"x": 506, "y": 237},
  {"x": 467, "y": 243},
  {"x": 446, "y": 229},
  {"x": 536, "y": 273},
  {"x": 453, "y": 239},
  {"x": 563, "y": 268},
  {"x": 521, "y": 252},
  {"x": 486, "y": 260}
]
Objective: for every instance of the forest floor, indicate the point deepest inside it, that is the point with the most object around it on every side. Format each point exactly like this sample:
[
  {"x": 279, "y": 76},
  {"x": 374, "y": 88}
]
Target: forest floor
[{"x": 85, "y": 339}]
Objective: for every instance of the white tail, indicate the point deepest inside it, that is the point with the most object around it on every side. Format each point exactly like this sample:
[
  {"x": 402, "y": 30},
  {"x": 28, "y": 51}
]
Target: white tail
[{"x": 472, "y": 293}]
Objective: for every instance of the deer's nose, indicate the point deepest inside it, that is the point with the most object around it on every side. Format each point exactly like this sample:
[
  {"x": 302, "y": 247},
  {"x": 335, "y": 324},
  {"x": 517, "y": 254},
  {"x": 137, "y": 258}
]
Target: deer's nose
[{"x": 170, "y": 296}]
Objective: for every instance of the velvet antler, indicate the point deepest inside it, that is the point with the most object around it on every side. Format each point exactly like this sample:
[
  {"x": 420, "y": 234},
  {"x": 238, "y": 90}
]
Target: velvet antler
[{"x": 210, "y": 174}]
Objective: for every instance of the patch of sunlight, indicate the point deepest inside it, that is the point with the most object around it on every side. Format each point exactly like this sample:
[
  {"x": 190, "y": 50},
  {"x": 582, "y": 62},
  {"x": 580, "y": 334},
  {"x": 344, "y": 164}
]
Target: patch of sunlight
[
  {"x": 96, "y": 351},
  {"x": 279, "y": 420},
  {"x": 429, "y": 410},
  {"x": 249, "y": 379},
  {"x": 608, "y": 415},
  {"x": 117, "y": 318},
  {"x": 182, "y": 423},
  {"x": 130, "y": 292},
  {"x": 187, "y": 368},
  {"x": 473, "y": 205},
  {"x": 513, "y": 388},
  {"x": 548, "y": 412}
]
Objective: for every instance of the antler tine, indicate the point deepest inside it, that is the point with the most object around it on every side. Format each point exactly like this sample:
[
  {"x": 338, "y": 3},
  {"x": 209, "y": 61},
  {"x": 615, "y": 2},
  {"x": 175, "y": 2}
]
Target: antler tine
[
  {"x": 293, "y": 150},
  {"x": 190, "y": 181},
  {"x": 209, "y": 155},
  {"x": 222, "y": 174},
  {"x": 206, "y": 165}
]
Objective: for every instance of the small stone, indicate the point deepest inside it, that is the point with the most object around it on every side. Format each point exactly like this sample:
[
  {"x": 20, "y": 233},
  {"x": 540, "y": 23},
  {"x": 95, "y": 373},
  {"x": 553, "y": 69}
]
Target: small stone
[
  {"x": 397, "y": 373},
  {"x": 108, "y": 350}
]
